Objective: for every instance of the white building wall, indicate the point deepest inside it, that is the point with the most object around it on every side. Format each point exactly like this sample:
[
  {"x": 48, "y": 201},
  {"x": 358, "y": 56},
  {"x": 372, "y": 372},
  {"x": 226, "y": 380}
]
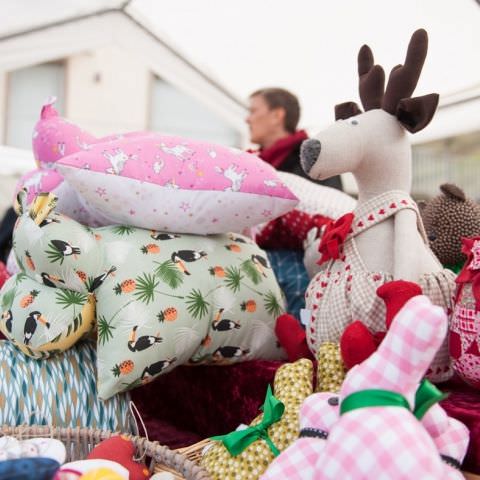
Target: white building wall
[{"x": 107, "y": 91}]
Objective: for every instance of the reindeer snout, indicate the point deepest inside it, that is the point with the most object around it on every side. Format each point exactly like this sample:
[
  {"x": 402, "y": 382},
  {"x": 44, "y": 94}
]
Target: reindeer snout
[{"x": 309, "y": 152}]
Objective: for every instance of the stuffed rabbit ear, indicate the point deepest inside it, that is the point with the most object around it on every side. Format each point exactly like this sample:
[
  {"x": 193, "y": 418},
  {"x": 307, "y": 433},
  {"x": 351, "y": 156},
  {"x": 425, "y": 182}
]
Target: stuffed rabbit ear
[{"x": 406, "y": 352}]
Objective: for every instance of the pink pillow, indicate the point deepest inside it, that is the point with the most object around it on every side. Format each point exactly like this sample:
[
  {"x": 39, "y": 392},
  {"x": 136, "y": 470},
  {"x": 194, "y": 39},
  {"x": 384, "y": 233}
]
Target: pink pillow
[{"x": 176, "y": 184}]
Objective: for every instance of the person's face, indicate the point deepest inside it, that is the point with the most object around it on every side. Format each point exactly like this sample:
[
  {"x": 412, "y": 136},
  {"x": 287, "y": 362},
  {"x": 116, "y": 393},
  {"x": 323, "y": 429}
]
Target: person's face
[{"x": 262, "y": 120}]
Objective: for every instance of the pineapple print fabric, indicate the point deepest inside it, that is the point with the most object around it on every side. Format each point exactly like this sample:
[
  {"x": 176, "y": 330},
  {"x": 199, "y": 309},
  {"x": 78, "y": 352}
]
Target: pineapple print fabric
[
  {"x": 161, "y": 299},
  {"x": 60, "y": 391},
  {"x": 293, "y": 383}
]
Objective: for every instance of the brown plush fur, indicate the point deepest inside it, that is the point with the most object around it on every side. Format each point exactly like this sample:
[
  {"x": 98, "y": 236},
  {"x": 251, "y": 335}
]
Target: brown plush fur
[{"x": 448, "y": 218}]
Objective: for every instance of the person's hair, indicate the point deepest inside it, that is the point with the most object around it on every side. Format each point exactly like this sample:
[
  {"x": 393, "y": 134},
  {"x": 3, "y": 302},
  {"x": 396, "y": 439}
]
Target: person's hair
[{"x": 281, "y": 98}]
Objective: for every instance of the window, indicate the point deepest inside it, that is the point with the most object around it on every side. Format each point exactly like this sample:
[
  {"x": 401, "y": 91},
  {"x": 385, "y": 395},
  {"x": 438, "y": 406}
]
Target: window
[
  {"x": 175, "y": 113},
  {"x": 27, "y": 90}
]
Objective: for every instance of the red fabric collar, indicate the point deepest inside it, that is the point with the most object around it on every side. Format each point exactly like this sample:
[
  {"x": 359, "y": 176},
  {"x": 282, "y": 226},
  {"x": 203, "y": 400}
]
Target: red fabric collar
[
  {"x": 334, "y": 237},
  {"x": 279, "y": 151}
]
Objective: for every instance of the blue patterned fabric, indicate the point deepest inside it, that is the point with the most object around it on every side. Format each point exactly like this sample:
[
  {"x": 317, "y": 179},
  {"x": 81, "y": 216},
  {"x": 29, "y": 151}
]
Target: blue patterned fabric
[
  {"x": 291, "y": 276},
  {"x": 28, "y": 469},
  {"x": 60, "y": 391}
]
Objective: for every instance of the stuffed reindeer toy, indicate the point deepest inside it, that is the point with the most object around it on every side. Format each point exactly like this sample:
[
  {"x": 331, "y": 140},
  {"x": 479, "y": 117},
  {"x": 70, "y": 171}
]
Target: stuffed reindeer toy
[{"x": 383, "y": 239}]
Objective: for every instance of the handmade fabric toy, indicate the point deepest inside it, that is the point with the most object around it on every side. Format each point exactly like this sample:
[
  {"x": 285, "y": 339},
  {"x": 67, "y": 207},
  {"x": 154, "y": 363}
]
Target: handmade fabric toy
[
  {"x": 464, "y": 340},
  {"x": 28, "y": 468},
  {"x": 249, "y": 452},
  {"x": 53, "y": 138},
  {"x": 376, "y": 399},
  {"x": 93, "y": 467},
  {"x": 358, "y": 342},
  {"x": 378, "y": 434},
  {"x": 161, "y": 299},
  {"x": 11, "y": 448},
  {"x": 318, "y": 414},
  {"x": 383, "y": 239},
  {"x": 120, "y": 449},
  {"x": 448, "y": 218},
  {"x": 102, "y": 474}
]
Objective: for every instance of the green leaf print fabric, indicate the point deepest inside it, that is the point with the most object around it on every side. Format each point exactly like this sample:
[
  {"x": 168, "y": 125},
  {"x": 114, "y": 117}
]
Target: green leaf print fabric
[{"x": 161, "y": 299}]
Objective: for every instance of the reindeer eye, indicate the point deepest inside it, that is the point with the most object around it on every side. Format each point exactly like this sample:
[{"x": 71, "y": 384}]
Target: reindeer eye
[{"x": 353, "y": 122}]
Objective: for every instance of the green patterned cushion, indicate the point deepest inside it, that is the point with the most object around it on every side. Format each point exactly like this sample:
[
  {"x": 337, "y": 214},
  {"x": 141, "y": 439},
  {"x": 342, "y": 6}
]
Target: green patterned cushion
[
  {"x": 158, "y": 299},
  {"x": 60, "y": 391}
]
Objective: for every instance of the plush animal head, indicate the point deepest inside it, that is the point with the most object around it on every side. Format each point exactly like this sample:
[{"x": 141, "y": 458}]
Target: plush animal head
[
  {"x": 373, "y": 144},
  {"x": 448, "y": 218}
]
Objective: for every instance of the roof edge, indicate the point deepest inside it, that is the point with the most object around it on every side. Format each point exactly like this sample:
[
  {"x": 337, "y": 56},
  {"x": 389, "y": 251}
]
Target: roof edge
[{"x": 122, "y": 9}]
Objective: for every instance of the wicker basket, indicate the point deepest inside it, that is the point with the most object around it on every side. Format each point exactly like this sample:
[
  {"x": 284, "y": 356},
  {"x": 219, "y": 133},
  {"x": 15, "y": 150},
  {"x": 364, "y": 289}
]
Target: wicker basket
[{"x": 80, "y": 441}]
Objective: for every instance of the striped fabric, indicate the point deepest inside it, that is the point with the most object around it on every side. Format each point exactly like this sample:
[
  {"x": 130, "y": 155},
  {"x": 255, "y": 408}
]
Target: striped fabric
[{"x": 60, "y": 391}]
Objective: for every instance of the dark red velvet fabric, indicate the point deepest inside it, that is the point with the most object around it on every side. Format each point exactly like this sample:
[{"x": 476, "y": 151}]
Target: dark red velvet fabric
[
  {"x": 193, "y": 403},
  {"x": 203, "y": 401},
  {"x": 463, "y": 404}
]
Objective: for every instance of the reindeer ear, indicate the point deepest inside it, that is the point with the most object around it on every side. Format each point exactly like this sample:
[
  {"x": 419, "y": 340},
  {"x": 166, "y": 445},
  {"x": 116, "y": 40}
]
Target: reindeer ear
[
  {"x": 415, "y": 113},
  {"x": 346, "y": 110}
]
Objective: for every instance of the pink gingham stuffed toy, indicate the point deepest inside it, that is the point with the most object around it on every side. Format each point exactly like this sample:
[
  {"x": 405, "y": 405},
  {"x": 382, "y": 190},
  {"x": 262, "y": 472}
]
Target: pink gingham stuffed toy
[
  {"x": 318, "y": 414},
  {"x": 388, "y": 442},
  {"x": 320, "y": 411},
  {"x": 399, "y": 447}
]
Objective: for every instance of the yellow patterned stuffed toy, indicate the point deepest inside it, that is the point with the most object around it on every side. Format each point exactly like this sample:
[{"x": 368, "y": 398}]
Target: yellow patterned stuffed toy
[
  {"x": 331, "y": 370},
  {"x": 293, "y": 383}
]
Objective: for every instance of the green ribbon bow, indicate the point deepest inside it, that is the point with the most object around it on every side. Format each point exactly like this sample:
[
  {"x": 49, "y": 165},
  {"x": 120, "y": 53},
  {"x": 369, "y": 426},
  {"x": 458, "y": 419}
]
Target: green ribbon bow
[
  {"x": 236, "y": 442},
  {"x": 426, "y": 396}
]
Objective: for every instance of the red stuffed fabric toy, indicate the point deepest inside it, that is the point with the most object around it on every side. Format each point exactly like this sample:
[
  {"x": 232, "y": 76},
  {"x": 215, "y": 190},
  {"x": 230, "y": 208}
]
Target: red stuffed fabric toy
[
  {"x": 4, "y": 276},
  {"x": 292, "y": 338},
  {"x": 121, "y": 450},
  {"x": 358, "y": 342}
]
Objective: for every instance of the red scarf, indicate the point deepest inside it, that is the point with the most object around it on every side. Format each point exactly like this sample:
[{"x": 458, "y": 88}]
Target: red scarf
[{"x": 281, "y": 149}]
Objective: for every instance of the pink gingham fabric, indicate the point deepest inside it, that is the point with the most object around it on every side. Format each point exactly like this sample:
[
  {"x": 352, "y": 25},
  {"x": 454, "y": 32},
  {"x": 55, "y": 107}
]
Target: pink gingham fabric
[
  {"x": 345, "y": 291},
  {"x": 297, "y": 462},
  {"x": 381, "y": 442},
  {"x": 389, "y": 442},
  {"x": 450, "y": 436}
]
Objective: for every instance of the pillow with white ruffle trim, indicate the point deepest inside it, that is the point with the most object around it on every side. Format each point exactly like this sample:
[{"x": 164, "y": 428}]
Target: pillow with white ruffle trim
[{"x": 176, "y": 184}]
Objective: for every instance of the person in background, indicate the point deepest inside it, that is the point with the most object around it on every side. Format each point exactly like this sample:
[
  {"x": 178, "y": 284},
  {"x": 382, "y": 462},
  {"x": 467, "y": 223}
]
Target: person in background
[{"x": 273, "y": 118}]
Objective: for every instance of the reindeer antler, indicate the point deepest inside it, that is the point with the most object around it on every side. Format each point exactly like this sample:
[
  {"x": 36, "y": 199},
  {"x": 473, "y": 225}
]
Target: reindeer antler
[
  {"x": 413, "y": 113},
  {"x": 403, "y": 78},
  {"x": 371, "y": 80}
]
